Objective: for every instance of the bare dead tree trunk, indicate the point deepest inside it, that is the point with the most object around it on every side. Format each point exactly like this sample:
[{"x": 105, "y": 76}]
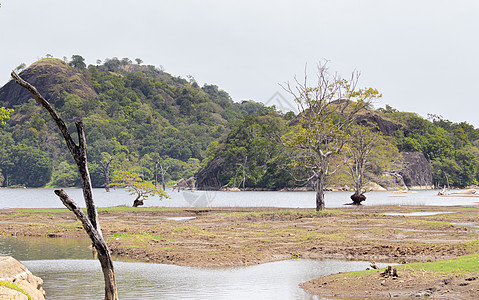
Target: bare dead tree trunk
[
  {"x": 320, "y": 191},
  {"x": 243, "y": 165},
  {"x": 106, "y": 170},
  {"x": 137, "y": 201},
  {"x": 156, "y": 172},
  {"x": 79, "y": 154},
  {"x": 163, "y": 173}
]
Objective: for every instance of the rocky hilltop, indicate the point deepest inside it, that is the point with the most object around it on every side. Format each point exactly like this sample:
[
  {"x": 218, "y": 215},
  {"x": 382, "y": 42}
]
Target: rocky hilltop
[{"x": 51, "y": 77}]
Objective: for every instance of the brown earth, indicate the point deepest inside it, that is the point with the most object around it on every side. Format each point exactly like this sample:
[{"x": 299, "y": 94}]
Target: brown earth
[
  {"x": 408, "y": 284},
  {"x": 244, "y": 236}
]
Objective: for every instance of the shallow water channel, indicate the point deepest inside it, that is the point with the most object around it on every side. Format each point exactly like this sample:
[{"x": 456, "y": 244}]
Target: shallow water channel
[{"x": 69, "y": 272}]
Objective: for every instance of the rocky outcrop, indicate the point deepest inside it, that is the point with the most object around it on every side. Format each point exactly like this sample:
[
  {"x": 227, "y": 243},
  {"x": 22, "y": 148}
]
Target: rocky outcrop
[
  {"x": 416, "y": 171},
  {"x": 207, "y": 178},
  {"x": 384, "y": 126},
  {"x": 16, "y": 281},
  {"x": 51, "y": 77},
  {"x": 411, "y": 171},
  {"x": 182, "y": 184}
]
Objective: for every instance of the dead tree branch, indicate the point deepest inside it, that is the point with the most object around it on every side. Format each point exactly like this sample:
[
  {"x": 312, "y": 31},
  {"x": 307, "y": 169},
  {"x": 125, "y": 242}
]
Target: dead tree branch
[{"x": 103, "y": 253}]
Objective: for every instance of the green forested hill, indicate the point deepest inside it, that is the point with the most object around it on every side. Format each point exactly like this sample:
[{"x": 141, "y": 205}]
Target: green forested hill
[
  {"x": 142, "y": 116},
  {"x": 451, "y": 148},
  {"x": 138, "y": 114}
]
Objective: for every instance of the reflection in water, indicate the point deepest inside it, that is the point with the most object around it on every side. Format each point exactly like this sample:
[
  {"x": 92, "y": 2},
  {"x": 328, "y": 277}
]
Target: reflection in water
[
  {"x": 68, "y": 278},
  {"x": 34, "y": 248},
  {"x": 45, "y": 198},
  {"x": 180, "y": 218}
]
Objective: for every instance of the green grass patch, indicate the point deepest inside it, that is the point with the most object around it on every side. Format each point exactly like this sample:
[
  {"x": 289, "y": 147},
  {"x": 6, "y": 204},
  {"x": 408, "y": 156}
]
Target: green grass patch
[
  {"x": 129, "y": 208},
  {"x": 15, "y": 287},
  {"x": 461, "y": 265},
  {"x": 67, "y": 226},
  {"x": 136, "y": 240},
  {"x": 414, "y": 223},
  {"x": 144, "y": 235},
  {"x": 284, "y": 214},
  {"x": 43, "y": 211},
  {"x": 454, "y": 266},
  {"x": 472, "y": 246}
]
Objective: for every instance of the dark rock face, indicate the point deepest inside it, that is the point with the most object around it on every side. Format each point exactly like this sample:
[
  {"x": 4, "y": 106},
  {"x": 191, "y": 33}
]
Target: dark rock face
[
  {"x": 386, "y": 127},
  {"x": 416, "y": 171},
  {"x": 183, "y": 184},
  {"x": 51, "y": 77},
  {"x": 207, "y": 178}
]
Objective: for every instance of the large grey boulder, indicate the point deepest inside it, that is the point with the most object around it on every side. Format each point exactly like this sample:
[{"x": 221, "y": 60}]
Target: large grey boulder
[
  {"x": 207, "y": 178},
  {"x": 16, "y": 281},
  {"x": 416, "y": 171},
  {"x": 386, "y": 127}
]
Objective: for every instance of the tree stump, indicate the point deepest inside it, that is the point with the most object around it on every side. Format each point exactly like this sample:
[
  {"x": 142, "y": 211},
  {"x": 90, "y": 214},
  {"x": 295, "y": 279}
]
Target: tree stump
[
  {"x": 358, "y": 198},
  {"x": 137, "y": 203}
]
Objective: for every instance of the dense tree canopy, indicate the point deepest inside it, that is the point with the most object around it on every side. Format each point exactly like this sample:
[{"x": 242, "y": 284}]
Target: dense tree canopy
[
  {"x": 450, "y": 147},
  {"x": 25, "y": 165},
  {"x": 134, "y": 112}
]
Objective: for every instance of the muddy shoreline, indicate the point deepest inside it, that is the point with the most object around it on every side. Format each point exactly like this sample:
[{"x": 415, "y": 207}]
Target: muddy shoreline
[{"x": 245, "y": 236}]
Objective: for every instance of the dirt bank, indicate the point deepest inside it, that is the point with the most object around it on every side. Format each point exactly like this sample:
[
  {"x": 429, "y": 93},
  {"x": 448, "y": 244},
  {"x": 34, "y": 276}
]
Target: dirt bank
[{"x": 408, "y": 284}]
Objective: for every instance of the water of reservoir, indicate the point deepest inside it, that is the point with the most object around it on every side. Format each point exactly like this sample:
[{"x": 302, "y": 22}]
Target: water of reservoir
[
  {"x": 45, "y": 198},
  {"x": 69, "y": 273}
]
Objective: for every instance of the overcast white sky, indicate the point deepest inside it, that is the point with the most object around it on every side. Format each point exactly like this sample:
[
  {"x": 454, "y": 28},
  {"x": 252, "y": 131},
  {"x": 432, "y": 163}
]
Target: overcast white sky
[{"x": 423, "y": 55}]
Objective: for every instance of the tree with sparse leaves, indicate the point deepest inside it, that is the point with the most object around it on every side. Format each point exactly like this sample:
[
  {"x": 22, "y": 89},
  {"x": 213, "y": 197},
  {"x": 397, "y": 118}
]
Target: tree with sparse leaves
[
  {"x": 135, "y": 185},
  {"x": 4, "y": 114},
  {"x": 358, "y": 155},
  {"x": 326, "y": 110}
]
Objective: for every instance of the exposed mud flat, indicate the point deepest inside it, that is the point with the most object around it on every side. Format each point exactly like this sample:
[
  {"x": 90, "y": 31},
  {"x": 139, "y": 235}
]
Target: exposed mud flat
[{"x": 244, "y": 236}]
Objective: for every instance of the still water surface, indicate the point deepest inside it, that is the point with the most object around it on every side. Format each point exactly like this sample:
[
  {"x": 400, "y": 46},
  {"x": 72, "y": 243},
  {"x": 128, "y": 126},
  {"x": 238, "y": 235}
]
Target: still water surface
[
  {"x": 45, "y": 198},
  {"x": 67, "y": 278}
]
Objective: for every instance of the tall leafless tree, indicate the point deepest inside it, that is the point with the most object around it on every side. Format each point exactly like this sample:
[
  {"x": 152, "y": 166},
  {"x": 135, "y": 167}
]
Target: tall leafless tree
[
  {"x": 163, "y": 172},
  {"x": 90, "y": 221},
  {"x": 106, "y": 171}
]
